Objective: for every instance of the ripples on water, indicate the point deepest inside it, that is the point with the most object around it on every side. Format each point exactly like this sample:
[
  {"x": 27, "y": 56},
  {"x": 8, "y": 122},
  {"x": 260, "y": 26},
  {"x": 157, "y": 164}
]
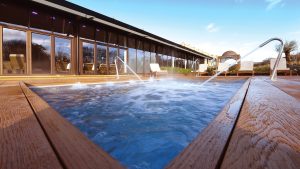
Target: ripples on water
[{"x": 143, "y": 125}]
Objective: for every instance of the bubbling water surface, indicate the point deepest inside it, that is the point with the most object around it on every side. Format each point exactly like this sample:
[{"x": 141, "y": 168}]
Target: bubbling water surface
[{"x": 143, "y": 125}]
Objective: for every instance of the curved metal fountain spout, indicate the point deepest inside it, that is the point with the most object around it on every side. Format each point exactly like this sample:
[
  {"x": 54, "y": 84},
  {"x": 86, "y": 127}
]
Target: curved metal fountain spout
[{"x": 274, "y": 71}]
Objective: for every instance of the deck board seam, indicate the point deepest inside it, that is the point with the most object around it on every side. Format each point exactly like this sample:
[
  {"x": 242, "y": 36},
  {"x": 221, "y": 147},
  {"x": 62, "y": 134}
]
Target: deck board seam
[
  {"x": 222, "y": 156},
  {"x": 44, "y": 131}
]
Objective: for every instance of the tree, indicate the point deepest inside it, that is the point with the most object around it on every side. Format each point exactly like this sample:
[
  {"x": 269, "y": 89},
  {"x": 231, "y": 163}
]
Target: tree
[{"x": 289, "y": 46}]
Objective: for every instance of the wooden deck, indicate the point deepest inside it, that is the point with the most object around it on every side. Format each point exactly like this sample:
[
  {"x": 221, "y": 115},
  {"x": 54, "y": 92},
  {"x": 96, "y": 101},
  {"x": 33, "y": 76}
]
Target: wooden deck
[{"x": 258, "y": 128}]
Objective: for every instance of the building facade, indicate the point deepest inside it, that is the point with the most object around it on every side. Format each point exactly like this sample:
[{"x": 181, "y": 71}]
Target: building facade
[{"x": 54, "y": 37}]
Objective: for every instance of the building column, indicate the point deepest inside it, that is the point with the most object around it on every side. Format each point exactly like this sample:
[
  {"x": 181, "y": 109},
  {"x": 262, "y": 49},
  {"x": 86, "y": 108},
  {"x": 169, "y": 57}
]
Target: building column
[
  {"x": 173, "y": 59},
  {"x": 205, "y": 61},
  {"x": 75, "y": 69},
  {"x": 95, "y": 58},
  {"x": 125, "y": 54},
  {"x": 52, "y": 54},
  {"x": 1, "y": 50},
  {"x": 28, "y": 53},
  {"x": 125, "y": 61}
]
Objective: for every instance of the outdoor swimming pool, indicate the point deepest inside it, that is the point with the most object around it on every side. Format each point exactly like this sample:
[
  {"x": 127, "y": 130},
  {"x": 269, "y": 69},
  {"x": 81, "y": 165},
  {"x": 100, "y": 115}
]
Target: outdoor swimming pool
[{"x": 143, "y": 125}]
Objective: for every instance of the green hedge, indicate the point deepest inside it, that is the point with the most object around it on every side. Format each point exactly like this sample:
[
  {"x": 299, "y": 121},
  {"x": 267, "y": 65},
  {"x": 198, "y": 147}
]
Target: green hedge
[
  {"x": 262, "y": 69},
  {"x": 177, "y": 70}
]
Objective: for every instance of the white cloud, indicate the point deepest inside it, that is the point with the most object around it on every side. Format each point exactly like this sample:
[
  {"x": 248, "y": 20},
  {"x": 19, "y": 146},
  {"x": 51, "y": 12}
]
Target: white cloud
[
  {"x": 295, "y": 33},
  {"x": 274, "y": 3},
  {"x": 11, "y": 34},
  {"x": 211, "y": 28}
]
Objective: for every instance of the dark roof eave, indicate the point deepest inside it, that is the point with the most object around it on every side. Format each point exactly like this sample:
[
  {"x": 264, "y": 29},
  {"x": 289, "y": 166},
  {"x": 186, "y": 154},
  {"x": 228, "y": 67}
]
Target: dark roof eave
[{"x": 98, "y": 16}]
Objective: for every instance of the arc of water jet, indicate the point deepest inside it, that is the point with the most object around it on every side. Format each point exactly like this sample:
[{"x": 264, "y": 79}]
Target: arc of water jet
[
  {"x": 130, "y": 68},
  {"x": 274, "y": 73},
  {"x": 229, "y": 66}
]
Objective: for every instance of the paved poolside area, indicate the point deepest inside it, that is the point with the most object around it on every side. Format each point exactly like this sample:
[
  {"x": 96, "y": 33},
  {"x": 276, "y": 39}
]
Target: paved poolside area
[{"x": 259, "y": 128}]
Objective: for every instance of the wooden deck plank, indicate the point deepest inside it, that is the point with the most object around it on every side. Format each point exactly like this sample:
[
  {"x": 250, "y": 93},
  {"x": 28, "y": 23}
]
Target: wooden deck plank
[
  {"x": 22, "y": 141},
  {"x": 267, "y": 134},
  {"x": 290, "y": 86},
  {"x": 74, "y": 149},
  {"x": 206, "y": 150}
]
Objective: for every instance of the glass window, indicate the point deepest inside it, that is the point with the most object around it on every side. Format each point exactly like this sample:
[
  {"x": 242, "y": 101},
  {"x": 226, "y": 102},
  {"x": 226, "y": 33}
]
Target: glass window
[
  {"x": 165, "y": 60},
  {"x": 112, "y": 53},
  {"x": 41, "y": 57},
  {"x": 132, "y": 59},
  {"x": 101, "y": 60},
  {"x": 153, "y": 57},
  {"x": 169, "y": 61},
  {"x": 189, "y": 64},
  {"x": 122, "y": 66},
  {"x": 14, "y": 51},
  {"x": 147, "y": 62},
  {"x": 88, "y": 58},
  {"x": 140, "y": 61},
  {"x": 62, "y": 55},
  {"x": 179, "y": 62},
  {"x": 159, "y": 59},
  {"x": 173, "y": 61}
]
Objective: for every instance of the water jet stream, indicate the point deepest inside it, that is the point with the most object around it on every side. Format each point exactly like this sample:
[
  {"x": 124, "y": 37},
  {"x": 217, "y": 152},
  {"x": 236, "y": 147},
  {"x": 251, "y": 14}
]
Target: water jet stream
[{"x": 274, "y": 73}]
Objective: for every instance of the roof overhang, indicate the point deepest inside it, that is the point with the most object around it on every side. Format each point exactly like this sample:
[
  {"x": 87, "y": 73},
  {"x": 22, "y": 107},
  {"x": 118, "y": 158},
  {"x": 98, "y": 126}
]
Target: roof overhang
[{"x": 102, "y": 21}]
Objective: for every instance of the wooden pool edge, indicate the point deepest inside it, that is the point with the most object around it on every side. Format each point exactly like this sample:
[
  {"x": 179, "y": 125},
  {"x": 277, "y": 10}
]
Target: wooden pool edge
[
  {"x": 207, "y": 150},
  {"x": 71, "y": 146},
  {"x": 211, "y": 136}
]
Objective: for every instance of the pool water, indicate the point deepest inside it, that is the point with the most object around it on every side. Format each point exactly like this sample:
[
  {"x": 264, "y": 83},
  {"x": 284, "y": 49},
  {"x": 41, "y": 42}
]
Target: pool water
[{"x": 143, "y": 125}]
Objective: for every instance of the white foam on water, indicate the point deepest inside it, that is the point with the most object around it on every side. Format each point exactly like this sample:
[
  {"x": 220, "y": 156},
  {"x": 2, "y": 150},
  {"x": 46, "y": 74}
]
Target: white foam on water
[
  {"x": 151, "y": 79},
  {"x": 79, "y": 85},
  {"x": 109, "y": 84},
  {"x": 132, "y": 81},
  {"x": 98, "y": 86}
]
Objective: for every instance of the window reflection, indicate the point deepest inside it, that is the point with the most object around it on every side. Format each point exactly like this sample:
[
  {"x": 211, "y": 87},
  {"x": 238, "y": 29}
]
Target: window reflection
[
  {"x": 132, "y": 59},
  {"x": 121, "y": 66},
  {"x": 88, "y": 58},
  {"x": 165, "y": 60},
  {"x": 112, "y": 53},
  {"x": 179, "y": 62},
  {"x": 169, "y": 62},
  {"x": 147, "y": 62},
  {"x": 159, "y": 59},
  {"x": 153, "y": 57},
  {"x": 14, "y": 51},
  {"x": 62, "y": 55},
  {"x": 101, "y": 60},
  {"x": 140, "y": 61},
  {"x": 41, "y": 58}
]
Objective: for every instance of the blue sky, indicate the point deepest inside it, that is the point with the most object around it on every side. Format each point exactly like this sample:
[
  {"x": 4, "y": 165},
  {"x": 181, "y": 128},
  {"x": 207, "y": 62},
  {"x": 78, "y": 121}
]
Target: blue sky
[{"x": 214, "y": 26}]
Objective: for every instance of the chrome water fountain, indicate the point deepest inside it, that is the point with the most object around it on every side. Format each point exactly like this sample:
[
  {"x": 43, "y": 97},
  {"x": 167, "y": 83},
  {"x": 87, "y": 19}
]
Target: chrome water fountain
[{"x": 274, "y": 70}]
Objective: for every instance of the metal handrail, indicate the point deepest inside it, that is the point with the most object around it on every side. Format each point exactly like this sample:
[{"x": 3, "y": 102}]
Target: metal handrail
[{"x": 274, "y": 71}]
